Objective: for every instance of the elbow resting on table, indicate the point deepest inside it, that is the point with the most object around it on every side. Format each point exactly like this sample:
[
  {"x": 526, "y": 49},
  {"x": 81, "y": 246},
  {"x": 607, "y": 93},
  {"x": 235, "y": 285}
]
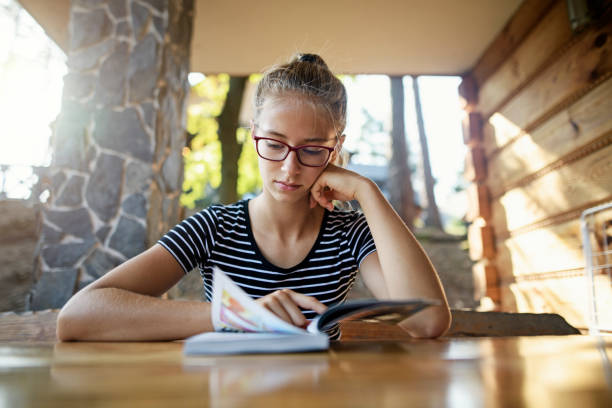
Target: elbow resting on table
[
  {"x": 63, "y": 329},
  {"x": 435, "y": 329},
  {"x": 428, "y": 324},
  {"x": 73, "y": 321},
  {"x": 69, "y": 326}
]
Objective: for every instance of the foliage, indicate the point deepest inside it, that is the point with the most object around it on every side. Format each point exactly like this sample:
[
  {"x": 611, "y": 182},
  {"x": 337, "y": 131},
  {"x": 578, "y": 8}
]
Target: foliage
[
  {"x": 456, "y": 226},
  {"x": 203, "y": 156},
  {"x": 249, "y": 179}
]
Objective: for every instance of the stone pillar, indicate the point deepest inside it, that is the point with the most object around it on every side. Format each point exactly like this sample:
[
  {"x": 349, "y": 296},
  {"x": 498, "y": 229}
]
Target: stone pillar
[{"x": 116, "y": 172}]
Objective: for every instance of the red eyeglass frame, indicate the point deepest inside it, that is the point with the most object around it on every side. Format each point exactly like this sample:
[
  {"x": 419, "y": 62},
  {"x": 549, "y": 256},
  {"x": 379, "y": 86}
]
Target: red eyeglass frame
[{"x": 292, "y": 149}]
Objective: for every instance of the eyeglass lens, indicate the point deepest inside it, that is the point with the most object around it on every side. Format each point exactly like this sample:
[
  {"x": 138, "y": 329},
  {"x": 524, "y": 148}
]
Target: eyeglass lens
[{"x": 307, "y": 155}]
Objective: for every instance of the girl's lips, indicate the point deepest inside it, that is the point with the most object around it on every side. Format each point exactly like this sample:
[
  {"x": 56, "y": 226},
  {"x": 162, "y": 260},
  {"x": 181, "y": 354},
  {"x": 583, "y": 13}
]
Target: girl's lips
[{"x": 286, "y": 186}]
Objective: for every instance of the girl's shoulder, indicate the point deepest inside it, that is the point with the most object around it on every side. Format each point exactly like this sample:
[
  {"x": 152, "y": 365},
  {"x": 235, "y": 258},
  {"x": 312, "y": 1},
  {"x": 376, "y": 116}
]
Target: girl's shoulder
[
  {"x": 233, "y": 208},
  {"x": 222, "y": 212}
]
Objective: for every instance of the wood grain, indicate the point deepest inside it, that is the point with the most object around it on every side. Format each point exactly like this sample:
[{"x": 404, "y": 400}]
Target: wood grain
[
  {"x": 29, "y": 326},
  {"x": 531, "y": 264},
  {"x": 472, "y": 129},
  {"x": 520, "y": 25},
  {"x": 468, "y": 323},
  {"x": 585, "y": 64},
  {"x": 552, "y": 296},
  {"x": 481, "y": 240},
  {"x": 468, "y": 92},
  {"x": 40, "y": 327},
  {"x": 553, "y": 371},
  {"x": 572, "y": 129},
  {"x": 585, "y": 181},
  {"x": 475, "y": 164},
  {"x": 567, "y": 297},
  {"x": 554, "y": 248},
  {"x": 533, "y": 54},
  {"x": 479, "y": 202},
  {"x": 486, "y": 280}
]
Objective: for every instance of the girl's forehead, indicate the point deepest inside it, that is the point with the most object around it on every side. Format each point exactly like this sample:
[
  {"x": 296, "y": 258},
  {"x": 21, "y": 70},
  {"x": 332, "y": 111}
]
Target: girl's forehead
[
  {"x": 281, "y": 114},
  {"x": 289, "y": 101}
]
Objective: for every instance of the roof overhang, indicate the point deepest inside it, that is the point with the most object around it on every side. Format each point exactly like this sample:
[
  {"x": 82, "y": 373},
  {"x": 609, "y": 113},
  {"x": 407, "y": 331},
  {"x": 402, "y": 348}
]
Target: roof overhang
[{"x": 393, "y": 37}]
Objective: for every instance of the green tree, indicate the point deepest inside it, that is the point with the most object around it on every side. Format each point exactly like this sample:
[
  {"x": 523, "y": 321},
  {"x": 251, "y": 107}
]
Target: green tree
[{"x": 203, "y": 153}]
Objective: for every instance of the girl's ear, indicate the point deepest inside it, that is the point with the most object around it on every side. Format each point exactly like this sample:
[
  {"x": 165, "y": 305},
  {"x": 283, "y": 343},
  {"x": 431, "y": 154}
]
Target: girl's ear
[
  {"x": 341, "y": 142},
  {"x": 337, "y": 157}
]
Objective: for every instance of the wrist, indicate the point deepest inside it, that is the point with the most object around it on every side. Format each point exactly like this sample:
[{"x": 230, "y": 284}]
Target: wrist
[{"x": 365, "y": 188}]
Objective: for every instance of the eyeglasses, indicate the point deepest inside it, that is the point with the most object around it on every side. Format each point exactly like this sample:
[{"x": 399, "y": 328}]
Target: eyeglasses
[{"x": 308, "y": 155}]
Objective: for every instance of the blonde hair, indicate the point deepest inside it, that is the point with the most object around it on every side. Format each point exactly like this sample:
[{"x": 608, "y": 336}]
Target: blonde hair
[{"x": 306, "y": 75}]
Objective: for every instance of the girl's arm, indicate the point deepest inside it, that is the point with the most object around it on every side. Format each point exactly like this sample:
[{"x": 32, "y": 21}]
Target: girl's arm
[
  {"x": 399, "y": 269},
  {"x": 124, "y": 304}
]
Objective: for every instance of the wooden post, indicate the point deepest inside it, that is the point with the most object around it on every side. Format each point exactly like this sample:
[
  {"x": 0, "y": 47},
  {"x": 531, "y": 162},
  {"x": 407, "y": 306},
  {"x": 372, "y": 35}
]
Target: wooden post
[{"x": 480, "y": 233}]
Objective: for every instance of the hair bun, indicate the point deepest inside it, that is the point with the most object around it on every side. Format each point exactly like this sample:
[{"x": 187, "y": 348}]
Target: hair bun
[{"x": 313, "y": 59}]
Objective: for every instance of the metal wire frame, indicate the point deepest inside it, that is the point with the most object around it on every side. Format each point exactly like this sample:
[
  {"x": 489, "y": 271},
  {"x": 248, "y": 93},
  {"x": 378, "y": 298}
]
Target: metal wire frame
[{"x": 592, "y": 263}]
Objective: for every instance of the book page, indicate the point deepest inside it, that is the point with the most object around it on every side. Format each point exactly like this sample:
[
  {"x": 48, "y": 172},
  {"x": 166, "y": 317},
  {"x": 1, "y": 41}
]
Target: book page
[{"x": 234, "y": 310}]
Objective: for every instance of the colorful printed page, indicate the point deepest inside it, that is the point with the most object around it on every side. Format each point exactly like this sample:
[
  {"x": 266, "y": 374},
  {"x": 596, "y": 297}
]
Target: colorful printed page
[{"x": 234, "y": 310}]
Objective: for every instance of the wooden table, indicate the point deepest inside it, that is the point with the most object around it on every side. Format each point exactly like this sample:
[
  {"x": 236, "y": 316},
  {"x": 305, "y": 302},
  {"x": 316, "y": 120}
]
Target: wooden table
[{"x": 545, "y": 371}]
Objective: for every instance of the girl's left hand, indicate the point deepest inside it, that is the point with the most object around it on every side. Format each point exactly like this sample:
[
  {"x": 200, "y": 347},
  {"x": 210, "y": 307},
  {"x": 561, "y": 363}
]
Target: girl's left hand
[{"x": 334, "y": 183}]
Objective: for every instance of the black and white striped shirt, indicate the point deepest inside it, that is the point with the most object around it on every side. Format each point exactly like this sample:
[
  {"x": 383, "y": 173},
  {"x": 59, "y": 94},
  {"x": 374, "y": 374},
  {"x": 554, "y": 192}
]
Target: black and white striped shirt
[{"x": 222, "y": 236}]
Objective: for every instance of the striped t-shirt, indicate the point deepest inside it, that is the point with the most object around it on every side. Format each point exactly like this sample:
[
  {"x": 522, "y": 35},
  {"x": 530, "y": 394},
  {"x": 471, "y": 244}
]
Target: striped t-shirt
[{"x": 222, "y": 236}]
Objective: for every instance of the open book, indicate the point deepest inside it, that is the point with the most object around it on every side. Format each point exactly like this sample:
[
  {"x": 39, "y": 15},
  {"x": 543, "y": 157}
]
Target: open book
[{"x": 244, "y": 326}]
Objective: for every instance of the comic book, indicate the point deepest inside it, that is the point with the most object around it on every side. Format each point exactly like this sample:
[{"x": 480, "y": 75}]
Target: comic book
[{"x": 244, "y": 326}]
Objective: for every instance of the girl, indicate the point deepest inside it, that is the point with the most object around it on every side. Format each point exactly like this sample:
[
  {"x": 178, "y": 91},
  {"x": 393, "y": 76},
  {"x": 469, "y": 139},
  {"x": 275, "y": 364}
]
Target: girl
[{"x": 289, "y": 248}]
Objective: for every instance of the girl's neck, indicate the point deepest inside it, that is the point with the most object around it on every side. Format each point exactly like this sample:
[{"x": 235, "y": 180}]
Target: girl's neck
[{"x": 286, "y": 220}]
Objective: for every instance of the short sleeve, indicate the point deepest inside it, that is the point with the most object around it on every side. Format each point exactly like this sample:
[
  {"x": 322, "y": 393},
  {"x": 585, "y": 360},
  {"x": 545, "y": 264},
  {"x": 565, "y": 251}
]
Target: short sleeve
[
  {"x": 360, "y": 238},
  {"x": 191, "y": 241}
]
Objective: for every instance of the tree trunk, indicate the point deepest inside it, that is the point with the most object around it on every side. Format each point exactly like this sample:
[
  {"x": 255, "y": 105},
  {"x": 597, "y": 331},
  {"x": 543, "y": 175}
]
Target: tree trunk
[
  {"x": 230, "y": 148},
  {"x": 432, "y": 218},
  {"x": 401, "y": 194}
]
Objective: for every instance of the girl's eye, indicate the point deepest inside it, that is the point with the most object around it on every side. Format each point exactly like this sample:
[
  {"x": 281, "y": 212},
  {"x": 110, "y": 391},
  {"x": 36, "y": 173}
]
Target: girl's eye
[
  {"x": 313, "y": 151},
  {"x": 275, "y": 146}
]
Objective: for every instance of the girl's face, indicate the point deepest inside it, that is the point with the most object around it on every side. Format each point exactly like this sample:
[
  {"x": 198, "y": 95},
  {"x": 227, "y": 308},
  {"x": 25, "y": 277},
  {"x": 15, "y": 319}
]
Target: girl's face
[{"x": 296, "y": 122}]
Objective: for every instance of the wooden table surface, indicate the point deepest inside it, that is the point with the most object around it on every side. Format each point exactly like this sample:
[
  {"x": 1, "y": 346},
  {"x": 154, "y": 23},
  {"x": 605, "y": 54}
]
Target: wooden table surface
[{"x": 544, "y": 371}]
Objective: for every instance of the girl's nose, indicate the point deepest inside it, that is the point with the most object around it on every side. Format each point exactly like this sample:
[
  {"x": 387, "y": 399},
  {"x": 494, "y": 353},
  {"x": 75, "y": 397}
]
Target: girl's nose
[{"x": 291, "y": 163}]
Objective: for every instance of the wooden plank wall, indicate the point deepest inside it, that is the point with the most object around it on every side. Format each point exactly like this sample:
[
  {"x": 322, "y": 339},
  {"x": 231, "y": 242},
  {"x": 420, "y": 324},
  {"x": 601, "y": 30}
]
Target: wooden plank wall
[{"x": 538, "y": 126}]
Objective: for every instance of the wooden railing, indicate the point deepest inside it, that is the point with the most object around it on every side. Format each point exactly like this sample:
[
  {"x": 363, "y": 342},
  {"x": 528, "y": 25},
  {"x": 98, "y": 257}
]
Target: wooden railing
[{"x": 41, "y": 325}]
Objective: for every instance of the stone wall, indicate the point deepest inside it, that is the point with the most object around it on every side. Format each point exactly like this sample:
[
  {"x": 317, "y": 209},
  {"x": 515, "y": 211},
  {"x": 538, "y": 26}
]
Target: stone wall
[{"x": 117, "y": 166}]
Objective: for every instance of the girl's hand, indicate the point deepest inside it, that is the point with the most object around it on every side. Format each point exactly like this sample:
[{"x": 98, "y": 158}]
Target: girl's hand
[
  {"x": 286, "y": 304},
  {"x": 335, "y": 183}
]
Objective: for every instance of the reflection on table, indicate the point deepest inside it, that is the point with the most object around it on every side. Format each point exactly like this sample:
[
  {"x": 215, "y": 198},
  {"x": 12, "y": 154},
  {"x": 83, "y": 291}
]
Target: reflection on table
[{"x": 542, "y": 371}]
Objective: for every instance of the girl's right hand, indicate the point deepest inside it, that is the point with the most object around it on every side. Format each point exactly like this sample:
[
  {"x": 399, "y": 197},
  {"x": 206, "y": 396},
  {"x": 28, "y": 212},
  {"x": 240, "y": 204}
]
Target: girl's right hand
[{"x": 286, "y": 303}]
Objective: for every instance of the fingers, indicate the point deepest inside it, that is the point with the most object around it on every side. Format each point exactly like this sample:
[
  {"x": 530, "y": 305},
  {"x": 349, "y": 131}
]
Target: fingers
[
  {"x": 313, "y": 202},
  {"x": 307, "y": 302},
  {"x": 334, "y": 184},
  {"x": 286, "y": 304},
  {"x": 284, "y": 300},
  {"x": 318, "y": 194},
  {"x": 281, "y": 304}
]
